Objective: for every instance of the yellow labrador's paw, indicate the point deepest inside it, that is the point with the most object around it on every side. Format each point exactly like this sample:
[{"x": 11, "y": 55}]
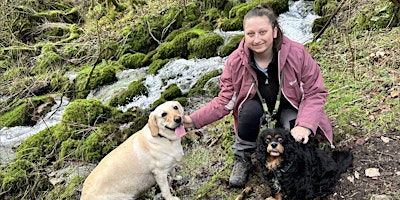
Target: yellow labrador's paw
[{"x": 270, "y": 198}]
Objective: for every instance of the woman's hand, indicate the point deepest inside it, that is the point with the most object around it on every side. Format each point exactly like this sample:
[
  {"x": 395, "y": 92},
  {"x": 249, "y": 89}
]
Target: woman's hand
[
  {"x": 187, "y": 122},
  {"x": 300, "y": 133}
]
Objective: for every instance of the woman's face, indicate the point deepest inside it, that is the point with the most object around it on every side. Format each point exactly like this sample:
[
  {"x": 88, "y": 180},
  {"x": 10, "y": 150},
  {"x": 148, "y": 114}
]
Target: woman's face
[{"x": 259, "y": 34}]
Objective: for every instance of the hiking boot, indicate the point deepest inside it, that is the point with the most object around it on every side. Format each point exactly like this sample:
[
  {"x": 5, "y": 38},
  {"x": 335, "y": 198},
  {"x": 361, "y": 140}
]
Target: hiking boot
[{"x": 240, "y": 170}]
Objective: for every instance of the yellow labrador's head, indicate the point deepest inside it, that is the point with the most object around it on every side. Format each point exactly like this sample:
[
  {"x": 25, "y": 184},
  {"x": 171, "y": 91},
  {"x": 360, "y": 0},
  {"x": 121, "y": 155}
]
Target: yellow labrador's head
[{"x": 167, "y": 120}]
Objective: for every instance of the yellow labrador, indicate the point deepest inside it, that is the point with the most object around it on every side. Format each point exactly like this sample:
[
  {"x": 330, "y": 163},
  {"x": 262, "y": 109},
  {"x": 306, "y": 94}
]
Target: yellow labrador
[{"x": 143, "y": 160}]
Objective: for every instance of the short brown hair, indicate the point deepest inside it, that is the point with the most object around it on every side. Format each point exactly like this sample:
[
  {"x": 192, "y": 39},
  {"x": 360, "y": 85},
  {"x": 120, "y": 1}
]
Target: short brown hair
[{"x": 262, "y": 10}]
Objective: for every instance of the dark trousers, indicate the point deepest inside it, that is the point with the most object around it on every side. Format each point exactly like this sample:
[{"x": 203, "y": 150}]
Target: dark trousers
[{"x": 251, "y": 116}]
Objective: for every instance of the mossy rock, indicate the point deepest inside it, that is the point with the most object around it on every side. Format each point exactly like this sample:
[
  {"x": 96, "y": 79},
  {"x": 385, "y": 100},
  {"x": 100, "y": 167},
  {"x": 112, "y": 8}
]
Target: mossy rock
[
  {"x": 182, "y": 100},
  {"x": 20, "y": 176},
  {"x": 47, "y": 60},
  {"x": 177, "y": 47},
  {"x": 235, "y": 19},
  {"x": 198, "y": 88},
  {"x": 136, "y": 88},
  {"x": 171, "y": 92},
  {"x": 27, "y": 112},
  {"x": 319, "y": 7},
  {"x": 104, "y": 73},
  {"x": 157, "y": 65},
  {"x": 139, "y": 38},
  {"x": 383, "y": 15},
  {"x": 232, "y": 44},
  {"x": 40, "y": 148},
  {"x": 132, "y": 61},
  {"x": 205, "y": 46},
  {"x": 319, "y": 23},
  {"x": 82, "y": 113},
  {"x": 212, "y": 15}
]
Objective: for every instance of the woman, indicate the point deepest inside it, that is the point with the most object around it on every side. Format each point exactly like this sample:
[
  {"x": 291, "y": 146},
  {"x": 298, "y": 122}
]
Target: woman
[{"x": 257, "y": 64}]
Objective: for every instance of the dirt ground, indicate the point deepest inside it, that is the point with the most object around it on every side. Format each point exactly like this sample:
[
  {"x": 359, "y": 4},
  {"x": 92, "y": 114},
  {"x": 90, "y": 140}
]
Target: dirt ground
[{"x": 375, "y": 173}]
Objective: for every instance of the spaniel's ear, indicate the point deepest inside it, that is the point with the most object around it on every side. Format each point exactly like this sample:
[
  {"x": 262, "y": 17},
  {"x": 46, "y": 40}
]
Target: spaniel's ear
[{"x": 152, "y": 123}]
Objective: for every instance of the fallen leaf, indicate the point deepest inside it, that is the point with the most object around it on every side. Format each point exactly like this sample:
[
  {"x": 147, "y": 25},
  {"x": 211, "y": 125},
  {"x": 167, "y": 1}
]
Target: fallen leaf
[
  {"x": 385, "y": 139},
  {"x": 351, "y": 179},
  {"x": 360, "y": 141},
  {"x": 394, "y": 93},
  {"x": 357, "y": 175},
  {"x": 372, "y": 172}
]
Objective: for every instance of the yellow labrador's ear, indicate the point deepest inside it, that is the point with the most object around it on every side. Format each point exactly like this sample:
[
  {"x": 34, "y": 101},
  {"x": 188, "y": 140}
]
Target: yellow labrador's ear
[{"x": 153, "y": 125}]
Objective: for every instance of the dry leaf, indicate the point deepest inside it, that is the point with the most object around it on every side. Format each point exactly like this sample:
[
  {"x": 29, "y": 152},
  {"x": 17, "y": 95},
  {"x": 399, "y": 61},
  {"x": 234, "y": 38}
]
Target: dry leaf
[
  {"x": 351, "y": 179},
  {"x": 394, "y": 93},
  {"x": 385, "y": 139},
  {"x": 372, "y": 172},
  {"x": 357, "y": 175}
]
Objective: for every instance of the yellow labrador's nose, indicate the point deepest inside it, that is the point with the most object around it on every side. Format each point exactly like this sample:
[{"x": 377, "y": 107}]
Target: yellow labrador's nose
[{"x": 178, "y": 119}]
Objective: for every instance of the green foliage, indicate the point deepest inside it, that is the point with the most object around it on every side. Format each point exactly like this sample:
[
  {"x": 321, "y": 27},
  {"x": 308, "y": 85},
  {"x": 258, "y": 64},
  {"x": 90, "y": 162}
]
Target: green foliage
[{"x": 205, "y": 46}]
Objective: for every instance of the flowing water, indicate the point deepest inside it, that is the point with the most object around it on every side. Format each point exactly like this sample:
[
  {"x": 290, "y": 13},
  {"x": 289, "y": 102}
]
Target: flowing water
[{"x": 296, "y": 24}]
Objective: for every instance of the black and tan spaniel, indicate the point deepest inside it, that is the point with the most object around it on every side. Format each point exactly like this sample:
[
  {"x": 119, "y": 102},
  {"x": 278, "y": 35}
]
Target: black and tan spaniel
[{"x": 298, "y": 171}]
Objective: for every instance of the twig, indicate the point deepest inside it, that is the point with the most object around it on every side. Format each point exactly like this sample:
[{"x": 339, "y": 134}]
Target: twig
[{"x": 244, "y": 193}]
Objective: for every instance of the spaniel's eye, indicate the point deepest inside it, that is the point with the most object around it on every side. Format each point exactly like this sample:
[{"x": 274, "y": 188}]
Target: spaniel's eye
[
  {"x": 267, "y": 140},
  {"x": 163, "y": 114},
  {"x": 176, "y": 107},
  {"x": 280, "y": 139}
]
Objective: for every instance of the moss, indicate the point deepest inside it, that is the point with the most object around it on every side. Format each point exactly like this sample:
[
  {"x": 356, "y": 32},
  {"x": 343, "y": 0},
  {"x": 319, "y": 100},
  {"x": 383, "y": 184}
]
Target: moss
[
  {"x": 177, "y": 47},
  {"x": 232, "y": 44},
  {"x": 192, "y": 12},
  {"x": 59, "y": 82},
  {"x": 198, "y": 88},
  {"x": 104, "y": 73},
  {"x": 80, "y": 114},
  {"x": 377, "y": 16},
  {"x": 28, "y": 112},
  {"x": 212, "y": 15},
  {"x": 41, "y": 147},
  {"x": 19, "y": 116},
  {"x": 205, "y": 46},
  {"x": 67, "y": 192},
  {"x": 132, "y": 61},
  {"x": 136, "y": 88},
  {"x": 21, "y": 176},
  {"x": 74, "y": 33},
  {"x": 173, "y": 14},
  {"x": 157, "y": 65},
  {"x": 235, "y": 19},
  {"x": 319, "y": 7},
  {"x": 171, "y": 92},
  {"x": 47, "y": 60},
  {"x": 319, "y": 23},
  {"x": 138, "y": 38}
]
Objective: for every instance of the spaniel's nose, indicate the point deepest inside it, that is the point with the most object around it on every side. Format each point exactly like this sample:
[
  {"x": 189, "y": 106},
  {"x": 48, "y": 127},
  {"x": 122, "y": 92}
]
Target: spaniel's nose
[
  {"x": 178, "y": 119},
  {"x": 274, "y": 145}
]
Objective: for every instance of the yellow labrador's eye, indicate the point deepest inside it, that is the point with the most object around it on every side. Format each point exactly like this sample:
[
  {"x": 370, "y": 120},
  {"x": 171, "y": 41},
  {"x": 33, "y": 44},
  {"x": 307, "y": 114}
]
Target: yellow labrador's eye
[
  {"x": 163, "y": 114},
  {"x": 176, "y": 107}
]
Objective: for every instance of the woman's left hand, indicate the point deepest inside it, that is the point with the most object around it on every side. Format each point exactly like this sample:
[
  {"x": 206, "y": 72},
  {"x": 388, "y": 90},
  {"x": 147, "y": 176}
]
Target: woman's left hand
[{"x": 300, "y": 133}]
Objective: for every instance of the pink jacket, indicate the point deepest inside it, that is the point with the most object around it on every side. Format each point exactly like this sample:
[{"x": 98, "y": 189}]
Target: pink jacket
[{"x": 303, "y": 87}]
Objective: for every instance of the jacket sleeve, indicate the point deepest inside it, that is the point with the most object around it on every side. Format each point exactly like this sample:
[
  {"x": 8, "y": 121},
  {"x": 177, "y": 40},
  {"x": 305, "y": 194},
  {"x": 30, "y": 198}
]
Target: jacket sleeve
[
  {"x": 311, "y": 107},
  {"x": 219, "y": 106}
]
